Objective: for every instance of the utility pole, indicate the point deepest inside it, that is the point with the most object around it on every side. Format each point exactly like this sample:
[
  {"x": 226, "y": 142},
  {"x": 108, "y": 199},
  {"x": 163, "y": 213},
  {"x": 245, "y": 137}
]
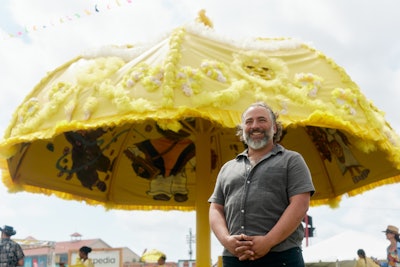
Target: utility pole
[{"x": 190, "y": 239}]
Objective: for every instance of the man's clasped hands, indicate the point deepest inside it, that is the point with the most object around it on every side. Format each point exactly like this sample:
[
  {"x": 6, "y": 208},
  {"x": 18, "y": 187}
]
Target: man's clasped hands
[{"x": 248, "y": 247}]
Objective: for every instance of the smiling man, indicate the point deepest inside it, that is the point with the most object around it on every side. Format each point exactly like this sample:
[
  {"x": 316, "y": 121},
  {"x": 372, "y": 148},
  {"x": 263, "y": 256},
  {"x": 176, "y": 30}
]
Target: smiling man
[{"x": 261, "y": 197}]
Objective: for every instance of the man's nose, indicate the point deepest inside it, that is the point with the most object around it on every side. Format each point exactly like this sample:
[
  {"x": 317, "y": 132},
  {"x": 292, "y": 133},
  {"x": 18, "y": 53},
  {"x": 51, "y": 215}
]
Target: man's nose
[{"x": 254, "y": 124}]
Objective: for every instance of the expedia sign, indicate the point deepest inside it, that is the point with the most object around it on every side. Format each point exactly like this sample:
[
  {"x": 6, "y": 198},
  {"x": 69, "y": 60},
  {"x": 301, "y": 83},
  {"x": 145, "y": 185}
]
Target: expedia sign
[{"x": 111, "y": 257}]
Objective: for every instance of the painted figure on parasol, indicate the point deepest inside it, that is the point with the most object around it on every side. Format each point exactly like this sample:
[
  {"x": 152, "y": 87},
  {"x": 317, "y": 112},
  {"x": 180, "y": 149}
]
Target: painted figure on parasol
[{"x": 162, "y": 161}]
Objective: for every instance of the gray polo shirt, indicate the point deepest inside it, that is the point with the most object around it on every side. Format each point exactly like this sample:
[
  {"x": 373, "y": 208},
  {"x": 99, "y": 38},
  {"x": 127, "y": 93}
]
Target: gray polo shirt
[{"x": 255, "y": 198}]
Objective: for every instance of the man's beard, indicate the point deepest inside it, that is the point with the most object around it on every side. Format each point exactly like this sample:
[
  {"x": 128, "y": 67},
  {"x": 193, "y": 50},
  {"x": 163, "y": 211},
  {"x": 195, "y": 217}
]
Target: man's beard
[{"x": 258, "y": 144}]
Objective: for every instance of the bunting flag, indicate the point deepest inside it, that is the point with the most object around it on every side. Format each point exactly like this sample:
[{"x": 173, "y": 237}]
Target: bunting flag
[{"x": 93, "y": 10}]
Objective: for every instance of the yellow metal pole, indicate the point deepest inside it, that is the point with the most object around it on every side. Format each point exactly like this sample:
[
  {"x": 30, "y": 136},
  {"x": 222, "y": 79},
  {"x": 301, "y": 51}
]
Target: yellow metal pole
[
  {"x": 219, "y": 264},
  {"x": 204, "y": 188}
]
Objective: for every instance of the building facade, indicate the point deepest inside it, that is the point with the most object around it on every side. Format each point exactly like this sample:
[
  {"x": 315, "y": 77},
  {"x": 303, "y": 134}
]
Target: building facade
[{"x": 49, "y": 254}]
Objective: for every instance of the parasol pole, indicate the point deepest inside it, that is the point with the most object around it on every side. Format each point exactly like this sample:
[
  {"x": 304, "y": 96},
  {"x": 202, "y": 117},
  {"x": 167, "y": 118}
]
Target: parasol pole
[{"x": 203, "y": 192}]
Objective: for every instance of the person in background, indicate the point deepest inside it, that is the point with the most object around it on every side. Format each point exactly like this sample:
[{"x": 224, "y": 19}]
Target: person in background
[
  {"x": 161, "y": 261},
  {"x": 83, "y": 258},
  {"x": 261, "y": 197},
  {"x": 393, "y": 250},
  {"x": 11, "y": 253},
  {"x": 363, "y": 261}
]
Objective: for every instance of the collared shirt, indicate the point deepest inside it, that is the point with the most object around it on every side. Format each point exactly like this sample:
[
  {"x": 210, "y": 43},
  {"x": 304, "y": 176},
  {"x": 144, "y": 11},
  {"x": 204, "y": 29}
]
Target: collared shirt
[
  {"x": 10, "y": 253},
  {"x": 254, "y": 198}
]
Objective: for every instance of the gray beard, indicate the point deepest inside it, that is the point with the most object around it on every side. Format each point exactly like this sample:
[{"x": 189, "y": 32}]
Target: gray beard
[{"x": 256, "y": 145}]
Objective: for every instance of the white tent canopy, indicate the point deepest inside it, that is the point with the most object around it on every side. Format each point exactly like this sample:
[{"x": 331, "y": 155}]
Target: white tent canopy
[{"x": 344, "y": 247}]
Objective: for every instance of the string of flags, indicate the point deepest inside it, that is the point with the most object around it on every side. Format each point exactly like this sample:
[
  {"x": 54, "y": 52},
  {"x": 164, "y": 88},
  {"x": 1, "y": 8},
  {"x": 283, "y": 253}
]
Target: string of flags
[{"x": 93, "y": 10}]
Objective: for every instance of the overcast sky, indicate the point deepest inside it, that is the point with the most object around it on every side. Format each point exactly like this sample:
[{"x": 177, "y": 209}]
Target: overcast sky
[{"x": 36, "y": 36}]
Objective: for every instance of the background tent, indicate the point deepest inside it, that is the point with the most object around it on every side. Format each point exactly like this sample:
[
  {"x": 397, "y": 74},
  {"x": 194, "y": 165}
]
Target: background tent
[{"x": 344, "y": 246}]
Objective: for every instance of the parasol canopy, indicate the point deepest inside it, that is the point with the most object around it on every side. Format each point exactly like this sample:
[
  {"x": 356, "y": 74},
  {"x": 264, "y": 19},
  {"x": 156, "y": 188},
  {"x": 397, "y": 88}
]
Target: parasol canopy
[{"x": 147, "y": 127}]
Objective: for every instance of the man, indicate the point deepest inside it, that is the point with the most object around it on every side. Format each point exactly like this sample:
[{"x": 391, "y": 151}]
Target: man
[
  {"x": 393, "y": 250},
  {"x": 11, "y": 253},
  {"x": 261, "y": 197}
]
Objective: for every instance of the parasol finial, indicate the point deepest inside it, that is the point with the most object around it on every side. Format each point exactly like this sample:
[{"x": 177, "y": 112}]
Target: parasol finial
[{"x": 202, "y": 18}]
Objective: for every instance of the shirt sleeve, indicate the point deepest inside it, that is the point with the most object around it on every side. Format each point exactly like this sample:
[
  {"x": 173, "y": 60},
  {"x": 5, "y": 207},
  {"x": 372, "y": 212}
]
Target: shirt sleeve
[
  {"x": 299, "y": 176},
  {"x": 218, "y": 196}
]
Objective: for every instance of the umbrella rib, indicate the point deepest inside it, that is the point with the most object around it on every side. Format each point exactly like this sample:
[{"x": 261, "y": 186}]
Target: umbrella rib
[
  {"x": 116, "y": 161},
  {"x": 199, "y": 126}
]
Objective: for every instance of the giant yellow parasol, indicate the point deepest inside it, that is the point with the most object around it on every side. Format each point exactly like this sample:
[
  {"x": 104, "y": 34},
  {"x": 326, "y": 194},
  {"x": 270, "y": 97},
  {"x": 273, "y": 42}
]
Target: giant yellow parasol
[{"x": 147, "y": 127}]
